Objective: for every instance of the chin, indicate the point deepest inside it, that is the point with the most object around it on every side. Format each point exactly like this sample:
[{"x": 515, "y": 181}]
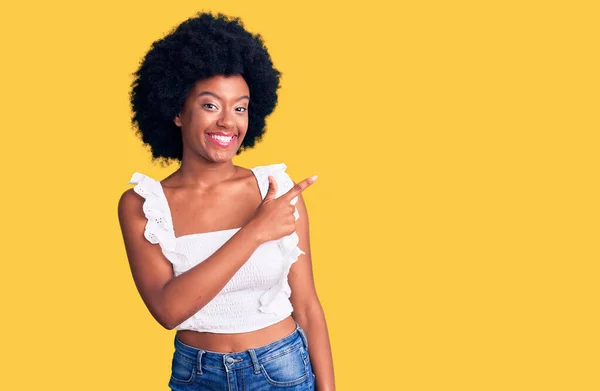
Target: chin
[{"x": 221, "y": 157}]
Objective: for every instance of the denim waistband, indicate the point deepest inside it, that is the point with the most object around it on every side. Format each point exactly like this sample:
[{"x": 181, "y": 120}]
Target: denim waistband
[{"x": 246, "y": 358}]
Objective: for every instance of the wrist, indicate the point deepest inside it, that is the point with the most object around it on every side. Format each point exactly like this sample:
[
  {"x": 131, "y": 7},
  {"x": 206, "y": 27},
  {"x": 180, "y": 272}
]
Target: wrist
[{"x": 252, "y": 233}]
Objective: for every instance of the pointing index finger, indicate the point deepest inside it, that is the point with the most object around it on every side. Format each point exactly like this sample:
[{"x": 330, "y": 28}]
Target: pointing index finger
[{"x": 300, "y": 187}]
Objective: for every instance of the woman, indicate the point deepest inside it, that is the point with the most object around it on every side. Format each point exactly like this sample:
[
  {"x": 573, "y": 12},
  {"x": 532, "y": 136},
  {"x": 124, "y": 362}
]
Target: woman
[{"x": 218, "y": 251}]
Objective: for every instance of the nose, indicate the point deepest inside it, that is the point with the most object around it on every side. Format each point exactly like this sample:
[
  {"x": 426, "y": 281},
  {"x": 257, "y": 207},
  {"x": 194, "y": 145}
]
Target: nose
[{"x": 225, "y": 120}]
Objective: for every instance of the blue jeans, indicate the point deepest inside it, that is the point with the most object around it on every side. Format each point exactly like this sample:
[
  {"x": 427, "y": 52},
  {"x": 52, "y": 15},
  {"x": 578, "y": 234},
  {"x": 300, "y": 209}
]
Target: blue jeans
[{"x": 281, "y": 365}]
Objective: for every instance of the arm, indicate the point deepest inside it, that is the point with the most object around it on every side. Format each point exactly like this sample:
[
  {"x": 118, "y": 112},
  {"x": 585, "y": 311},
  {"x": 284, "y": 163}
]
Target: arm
[
  {"x": 173, "y": 300},
  {"x": 307, "y": 308}
]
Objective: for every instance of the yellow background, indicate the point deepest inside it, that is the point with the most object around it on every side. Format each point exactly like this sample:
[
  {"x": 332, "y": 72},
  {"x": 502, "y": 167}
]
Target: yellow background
[{"x": 454, "y": 226}]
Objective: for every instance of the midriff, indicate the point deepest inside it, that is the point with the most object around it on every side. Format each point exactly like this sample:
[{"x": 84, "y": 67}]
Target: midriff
[{"x": 238, "y": 342}]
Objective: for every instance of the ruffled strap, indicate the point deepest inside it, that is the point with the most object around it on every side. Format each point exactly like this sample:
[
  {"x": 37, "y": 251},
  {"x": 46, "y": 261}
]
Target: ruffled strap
[
  {"x": 159, "y": 228},
  {"x": 281, "y": 291}
]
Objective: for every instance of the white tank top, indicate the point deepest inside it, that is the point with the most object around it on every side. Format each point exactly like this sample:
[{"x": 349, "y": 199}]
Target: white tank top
[{"x": 258, "y": 294}]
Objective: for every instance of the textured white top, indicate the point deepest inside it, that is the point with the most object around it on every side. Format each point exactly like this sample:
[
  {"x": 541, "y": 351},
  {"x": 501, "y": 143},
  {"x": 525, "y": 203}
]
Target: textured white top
[{"x": 258, "y": 294}]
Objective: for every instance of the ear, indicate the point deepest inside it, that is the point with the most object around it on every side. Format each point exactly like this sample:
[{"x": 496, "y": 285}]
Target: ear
[{"x": 177, "y": 120}]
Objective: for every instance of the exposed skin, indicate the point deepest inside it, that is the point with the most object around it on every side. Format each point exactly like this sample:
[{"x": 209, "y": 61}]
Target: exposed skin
[{"x": 209, "y": 193}]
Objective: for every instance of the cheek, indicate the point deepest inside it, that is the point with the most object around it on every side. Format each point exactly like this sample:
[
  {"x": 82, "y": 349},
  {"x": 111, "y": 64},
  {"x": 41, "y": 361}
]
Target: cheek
[
  {"x": 242, "y": 124},
  {"x": 200, "y": 119}
]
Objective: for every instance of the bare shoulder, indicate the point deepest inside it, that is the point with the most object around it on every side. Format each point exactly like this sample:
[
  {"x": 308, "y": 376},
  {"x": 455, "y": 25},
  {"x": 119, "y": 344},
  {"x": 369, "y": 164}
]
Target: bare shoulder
[
  {"x": 244, "y": 172},
  {"x": 130, "y": 210},
  {"x": 130, "y": 203},
  {"x": 245, "y": 178}
]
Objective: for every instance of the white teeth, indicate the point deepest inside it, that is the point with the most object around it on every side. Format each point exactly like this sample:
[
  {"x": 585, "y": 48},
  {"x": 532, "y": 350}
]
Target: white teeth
[{"x": 222, "y": 139}]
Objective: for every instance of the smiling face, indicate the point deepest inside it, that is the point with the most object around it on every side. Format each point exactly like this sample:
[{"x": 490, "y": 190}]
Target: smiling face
[{"x": 214, "y": 119}]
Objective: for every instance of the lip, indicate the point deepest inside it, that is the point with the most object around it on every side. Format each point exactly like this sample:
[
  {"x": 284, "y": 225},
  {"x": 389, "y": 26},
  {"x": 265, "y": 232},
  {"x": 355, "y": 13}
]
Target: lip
[{"x": 220, "y": 144}]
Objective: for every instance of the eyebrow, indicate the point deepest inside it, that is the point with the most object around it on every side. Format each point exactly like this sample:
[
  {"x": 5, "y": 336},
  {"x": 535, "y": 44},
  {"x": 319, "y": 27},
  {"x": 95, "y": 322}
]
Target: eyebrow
[{"x": 218, "y": 97}]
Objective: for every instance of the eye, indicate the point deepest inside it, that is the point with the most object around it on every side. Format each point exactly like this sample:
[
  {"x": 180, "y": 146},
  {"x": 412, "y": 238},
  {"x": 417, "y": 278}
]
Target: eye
[
  {"x": 241, "y": 109},
  {"x": 209, "y": 106}
]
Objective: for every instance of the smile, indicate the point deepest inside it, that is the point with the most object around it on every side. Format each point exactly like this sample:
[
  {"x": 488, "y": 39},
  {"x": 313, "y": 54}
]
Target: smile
[{"x": 222, "y": 141}]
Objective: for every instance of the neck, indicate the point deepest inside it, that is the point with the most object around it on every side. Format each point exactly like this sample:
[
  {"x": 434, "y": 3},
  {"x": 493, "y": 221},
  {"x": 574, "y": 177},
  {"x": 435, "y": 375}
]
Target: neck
[{"x": 203, "y": 174}]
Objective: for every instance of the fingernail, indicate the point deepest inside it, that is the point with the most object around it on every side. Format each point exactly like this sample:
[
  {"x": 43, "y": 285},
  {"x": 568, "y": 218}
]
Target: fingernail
[{"x": 314, "y": 178}]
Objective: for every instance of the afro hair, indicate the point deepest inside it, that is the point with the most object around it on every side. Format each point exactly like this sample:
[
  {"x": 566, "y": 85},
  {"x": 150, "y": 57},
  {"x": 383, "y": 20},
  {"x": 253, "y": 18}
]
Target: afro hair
[{"x": 202, "y": 46}]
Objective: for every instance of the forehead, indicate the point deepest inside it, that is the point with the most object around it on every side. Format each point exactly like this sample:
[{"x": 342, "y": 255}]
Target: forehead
[{"x": 226, "y": 87}]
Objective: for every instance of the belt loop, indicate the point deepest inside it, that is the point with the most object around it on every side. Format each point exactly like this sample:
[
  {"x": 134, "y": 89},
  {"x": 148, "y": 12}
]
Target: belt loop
[
  {"x": 199, "y": 361},
  {"x": 254, "y": 361},
  {"x": 303, "y": 335}
]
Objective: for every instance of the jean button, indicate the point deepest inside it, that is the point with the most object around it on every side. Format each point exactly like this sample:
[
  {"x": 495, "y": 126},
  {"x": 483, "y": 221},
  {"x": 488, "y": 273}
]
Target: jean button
[{"x": 229, "y": 360}]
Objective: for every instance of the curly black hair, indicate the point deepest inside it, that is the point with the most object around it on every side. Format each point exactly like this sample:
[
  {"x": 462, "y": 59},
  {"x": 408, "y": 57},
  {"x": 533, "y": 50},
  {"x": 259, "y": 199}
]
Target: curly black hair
[{"x": 202, "y": 46}]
